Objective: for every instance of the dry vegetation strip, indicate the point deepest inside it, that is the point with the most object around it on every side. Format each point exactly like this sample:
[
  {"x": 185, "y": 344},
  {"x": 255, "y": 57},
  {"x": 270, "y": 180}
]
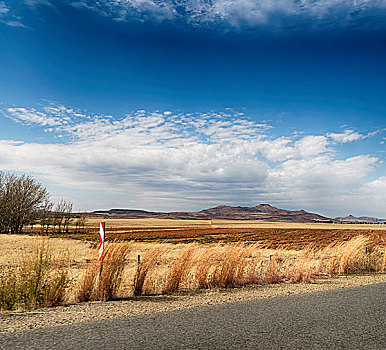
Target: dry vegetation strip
[
  {"x": 290, "y": 238},
  {"x": 45, "y": 279},
  {"x": 145, "y": 223}
]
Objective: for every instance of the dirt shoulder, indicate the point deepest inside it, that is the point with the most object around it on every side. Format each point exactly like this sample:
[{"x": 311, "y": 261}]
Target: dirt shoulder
[{"x": 92, "y": 311}]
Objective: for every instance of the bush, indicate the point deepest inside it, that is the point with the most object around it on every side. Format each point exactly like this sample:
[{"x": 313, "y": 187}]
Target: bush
[
  {"x": 39, "y": 281},
  {"x": 21, "y": 198}
]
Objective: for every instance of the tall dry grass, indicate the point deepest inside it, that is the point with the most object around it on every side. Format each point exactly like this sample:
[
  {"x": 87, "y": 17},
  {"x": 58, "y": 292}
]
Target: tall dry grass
[
  {"x": 101, "y": 280},
  {"x": 40, "y": 280},
  {"x": 240, "y": 264},
  {"x": 144, "y": 267},
  {"x": 353, "y": 256},
  {"x": 227, "y": 266},
  {"x": 204, "y": 264},
  {"x": 229, "y": 271},
  {"x": 180, "y": 269}
]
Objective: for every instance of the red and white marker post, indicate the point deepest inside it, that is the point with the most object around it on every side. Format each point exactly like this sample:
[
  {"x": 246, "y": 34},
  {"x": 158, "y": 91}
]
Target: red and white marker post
[{"x": 101, "y": 241}]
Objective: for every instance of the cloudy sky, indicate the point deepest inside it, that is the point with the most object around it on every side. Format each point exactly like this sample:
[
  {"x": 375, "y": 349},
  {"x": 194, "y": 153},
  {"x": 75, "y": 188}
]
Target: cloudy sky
[{"x": 187, "y": 104}]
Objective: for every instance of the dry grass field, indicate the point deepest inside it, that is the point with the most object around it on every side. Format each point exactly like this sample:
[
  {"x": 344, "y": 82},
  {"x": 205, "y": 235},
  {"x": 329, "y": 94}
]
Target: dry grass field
[
  {"x": 147, "y": 257},
  {"x": 14, "y": 247},
  {"x": 267, "y": 234},
  {"x": 168, "y": 223}
]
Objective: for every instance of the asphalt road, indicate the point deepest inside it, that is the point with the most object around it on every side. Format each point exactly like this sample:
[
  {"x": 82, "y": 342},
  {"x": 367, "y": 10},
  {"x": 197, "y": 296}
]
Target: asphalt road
[{"x": 350, "y": 318}]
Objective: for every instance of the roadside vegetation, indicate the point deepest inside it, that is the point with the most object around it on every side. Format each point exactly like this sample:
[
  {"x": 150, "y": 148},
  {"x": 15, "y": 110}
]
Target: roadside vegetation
[
  {"x": 273, "y": 238},
  {"x": 45, "y": 280},
  {"x": 159, "y": 260},
  {"x": 40, "y": 280}
]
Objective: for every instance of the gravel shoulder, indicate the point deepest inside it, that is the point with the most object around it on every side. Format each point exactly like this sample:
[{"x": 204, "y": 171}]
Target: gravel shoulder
[{"x": 92, "y": 311}]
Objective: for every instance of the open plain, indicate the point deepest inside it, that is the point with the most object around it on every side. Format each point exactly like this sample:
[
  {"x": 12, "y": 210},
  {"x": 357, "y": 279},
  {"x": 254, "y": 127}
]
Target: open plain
[
  {"x": 267, "y": 260},
  {"x": 268, "y": 234}
]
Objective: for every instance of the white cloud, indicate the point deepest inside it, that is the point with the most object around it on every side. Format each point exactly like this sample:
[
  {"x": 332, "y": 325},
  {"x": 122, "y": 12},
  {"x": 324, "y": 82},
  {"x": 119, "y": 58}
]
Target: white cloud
[
  {"x": 311, "y": 145},
  {"x": 367, "y": 200},
  {"x": 276, "y": 150},
  {"x": 157, "y": 160},
  {"x": 236, "y": 13},
  {"x": 121, "y": 10},
  {"x": 8, "y": 17},
  {"x": 34, "y": 3},
  {"x": 11, "y": 142},
  {"x": 31, "y": 116},
  {"x": 275, "y": 14},
  {"x": 3, "y": 9},
  {"x": 346, "y": 136},
  {"x": 377, "y": 186},
  {"x": 324, "y": 172}
]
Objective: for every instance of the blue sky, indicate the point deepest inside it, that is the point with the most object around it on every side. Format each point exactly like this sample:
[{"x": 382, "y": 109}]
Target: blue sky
[{"x": 182, "y": 105}]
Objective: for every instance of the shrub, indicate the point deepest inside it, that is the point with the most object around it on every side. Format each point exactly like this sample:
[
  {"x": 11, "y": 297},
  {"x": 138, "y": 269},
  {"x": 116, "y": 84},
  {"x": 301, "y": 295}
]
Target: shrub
[{"x": 39, "y": 281}]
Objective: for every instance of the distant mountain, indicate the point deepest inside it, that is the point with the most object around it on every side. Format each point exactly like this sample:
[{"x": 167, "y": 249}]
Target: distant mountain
[
  {"x": 350, "y": 219},
  {"x": 263, "y": 212},
  {"x": 123, "y": 212}
]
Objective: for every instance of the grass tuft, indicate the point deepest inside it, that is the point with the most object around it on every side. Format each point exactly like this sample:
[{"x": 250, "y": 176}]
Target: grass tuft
[
  {"x": 353, "y": 256},
  {"x": 39, "y": 281},
  {"x": 144, "y": 267},
  {"x": 180, "y": 269},
  {"x": 101, "y": 280}
]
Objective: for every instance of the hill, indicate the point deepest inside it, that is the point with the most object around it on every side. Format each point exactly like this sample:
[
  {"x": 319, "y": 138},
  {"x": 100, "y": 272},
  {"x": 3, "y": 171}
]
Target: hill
[
  {"x": 350, "y": 219},
  {"x": 263, "y": 212}
]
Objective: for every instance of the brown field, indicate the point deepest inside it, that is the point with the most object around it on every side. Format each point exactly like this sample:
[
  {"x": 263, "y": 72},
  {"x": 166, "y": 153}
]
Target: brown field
[
  {"x": 177, "y": 255},
  {"x": 168, "y": 223},
  {"x": 267, "y": 234}
]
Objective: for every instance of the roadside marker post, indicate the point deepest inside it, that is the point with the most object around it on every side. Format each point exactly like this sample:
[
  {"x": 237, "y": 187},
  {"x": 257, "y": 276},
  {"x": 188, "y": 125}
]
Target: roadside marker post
[{"x": 101, "y": 241}]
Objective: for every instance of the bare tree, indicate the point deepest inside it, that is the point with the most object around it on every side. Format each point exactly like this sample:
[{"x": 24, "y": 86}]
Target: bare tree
[
  {"x": 59, "y": 214},
  {"x": 62, "y": 216},
  {"x": 46, "y": 216},
  {"x": 6, "y": 181},
  {"x": 67, "y": 216},
  {"x": 80, "y": 222},
  {"x": 21, "y": 198}
]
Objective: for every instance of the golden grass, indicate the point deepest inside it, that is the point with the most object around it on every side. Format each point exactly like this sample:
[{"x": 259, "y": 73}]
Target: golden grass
[
  {"x": 102, "y": 279},
  {"x": 13, "y": 247},
  {"x": 204, "y": 265},
  {"x": 164, "y": 223},
  {"x": 354, "y": 256},
  {"x": 145, "y": 265},
  {"x": 39, "y": 280},
  {"x": 168, "y": 268},
  {"x": 148, "y": 222},
  {"x": 228, "y": 271},
  {"x": 180, "y": 269}
]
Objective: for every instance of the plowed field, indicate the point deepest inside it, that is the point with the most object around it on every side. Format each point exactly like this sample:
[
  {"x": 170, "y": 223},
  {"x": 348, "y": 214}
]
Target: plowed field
[{"x": 294, "y": 238}]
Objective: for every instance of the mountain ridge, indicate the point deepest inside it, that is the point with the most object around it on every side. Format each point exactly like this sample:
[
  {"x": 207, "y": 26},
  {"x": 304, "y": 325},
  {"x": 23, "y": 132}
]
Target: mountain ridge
[
  {"x": 360, "y": 220},
  {"x": 262, "y": 212}
]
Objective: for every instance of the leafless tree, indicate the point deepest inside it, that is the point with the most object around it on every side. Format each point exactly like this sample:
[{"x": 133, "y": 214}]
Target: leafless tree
[
  {"x": 46, "y": 216},
  {"x": 59, "y": 214},
  {"x": 67, "y": 215},
  {"x": 6, "y": 181},
  {"x": 80, "y": 222},
  {"x": 21, "y": 198},
  {"x": 62, "y": 216}
]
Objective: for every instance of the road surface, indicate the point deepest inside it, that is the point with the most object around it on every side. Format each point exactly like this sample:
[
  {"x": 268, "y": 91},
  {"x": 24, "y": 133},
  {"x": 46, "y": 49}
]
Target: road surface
[{"x": 349, "y": 318}]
